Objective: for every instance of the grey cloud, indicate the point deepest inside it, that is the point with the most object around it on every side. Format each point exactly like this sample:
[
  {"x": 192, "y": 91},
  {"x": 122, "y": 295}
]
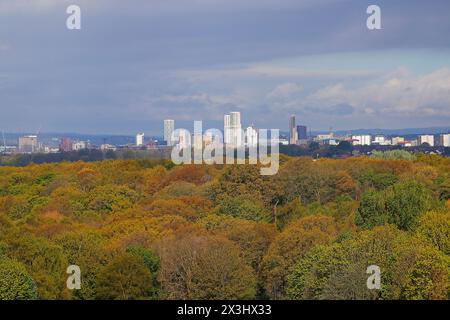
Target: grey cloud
[{"x": 131, "y": 56}]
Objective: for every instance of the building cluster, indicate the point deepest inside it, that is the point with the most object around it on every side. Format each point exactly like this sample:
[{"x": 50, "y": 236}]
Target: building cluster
[
  {"x": 298, "y": 136},
  {"x": 67, "y": 145},
  {"x": 381, "y": 140},
  {"x": 233, "y": 135}
]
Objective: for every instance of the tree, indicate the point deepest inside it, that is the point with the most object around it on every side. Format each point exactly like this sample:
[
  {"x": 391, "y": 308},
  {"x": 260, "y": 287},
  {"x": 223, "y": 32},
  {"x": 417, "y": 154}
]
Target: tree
[
  {"x": 371, "y": 211},
  {"x": 125, "y": 277},
  {"x": 45, "y": 262},
  {"x": 345, "y": 185},
  {"x": 435, "y": 228},
  {"x": 243, "y": 207},
  {"x": 393, "y": 155},
  {"x": 310, "y": 275},
  {"x": 151, "y": 261},
  {"x": 405, "y": 202},
  {"x": 444, "y": 189},
  {"x": 15, "y": 282},
  {"x": 290, "y": 246},
  {"x": 410, "y": 269},
  {"x": 84, "y": 248},
  {"x": 196, "y": 266},
  {"x": 344, "y": 147},
  {"x": 109, "y": 198},
  {"x": 88, "y": 179},
  {"x": 252, "y": 238},
  {"x": 179, "y": 189},
  {"x": 245, "y": 181},
  {"x": 400, "y": 204},
  {"x": 161, "y": 207}
]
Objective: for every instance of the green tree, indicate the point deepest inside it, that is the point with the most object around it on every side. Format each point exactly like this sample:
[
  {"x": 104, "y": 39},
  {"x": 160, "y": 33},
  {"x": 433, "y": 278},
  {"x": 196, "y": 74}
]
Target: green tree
[
  {"x": 126, "y": 277},
  {"x": 243, "y": 207},
  {"x": 393, "y": 155},
  {"x": 311, "y": 274},
  {"x": 400, "y": 204},
  {"x": 45, "y": 262},
  {"x": 435, "y": 228},
  {"x": 290, "y": 246},
  {"x": 15, "y": 282},
  {"x": 405, "y": 202},
  {"x": 410, "y": 268},
  {"x": 151, "y": 261},
  {"x": 371, "y": 211}
]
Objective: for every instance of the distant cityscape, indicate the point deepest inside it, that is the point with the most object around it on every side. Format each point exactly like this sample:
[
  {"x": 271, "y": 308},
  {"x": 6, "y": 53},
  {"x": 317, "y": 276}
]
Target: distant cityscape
[{"x": 232, "y": 135}]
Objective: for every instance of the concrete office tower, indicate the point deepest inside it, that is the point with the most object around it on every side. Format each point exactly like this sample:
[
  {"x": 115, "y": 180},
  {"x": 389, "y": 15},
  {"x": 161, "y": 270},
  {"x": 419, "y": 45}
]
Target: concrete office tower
[
  {"x": 139, "y": 139},
  {"x": 292, "y": 131},
  {"x": 28, "y": 144},
  {"x": 251, "y": 137},
  {"x": 427, "y": 138},
  {"x": 233, "y": 129},
  {"x": 444, "y": 140},
  {"x": 169, "y": 127}
]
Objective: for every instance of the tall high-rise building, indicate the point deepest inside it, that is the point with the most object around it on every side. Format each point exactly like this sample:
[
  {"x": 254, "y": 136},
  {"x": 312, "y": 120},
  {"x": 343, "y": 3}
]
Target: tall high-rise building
[
  {"x": 169, "y": 127},
  {"x": 233, "y": 129},
  {"x": 444, "y": 140},
  {"x": 251, "y": 137},
  {"x": 426, "y": 138},
  {"x": 139, "y": 139},
  {"x": 227, "y": 129},
  {"x": 28, "y": 144},
  {"x": 292, "y": 131},
  {"x": 302, "y": 133}
]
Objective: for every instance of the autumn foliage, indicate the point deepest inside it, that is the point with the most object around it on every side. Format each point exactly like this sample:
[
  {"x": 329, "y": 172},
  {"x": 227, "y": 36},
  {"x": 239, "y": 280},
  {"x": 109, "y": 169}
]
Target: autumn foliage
[{"x": 143, "y": 229}]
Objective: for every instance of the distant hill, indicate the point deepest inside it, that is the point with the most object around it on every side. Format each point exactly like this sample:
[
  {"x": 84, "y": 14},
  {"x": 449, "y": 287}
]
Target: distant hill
[
  {"x": 53, "y": 138},
  {"x": 390, "y": 132}
]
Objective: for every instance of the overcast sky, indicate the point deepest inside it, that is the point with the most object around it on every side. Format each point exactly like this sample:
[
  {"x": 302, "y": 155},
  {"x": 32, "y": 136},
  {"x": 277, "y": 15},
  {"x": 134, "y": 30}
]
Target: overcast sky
[{"x": 137, "y": 62}]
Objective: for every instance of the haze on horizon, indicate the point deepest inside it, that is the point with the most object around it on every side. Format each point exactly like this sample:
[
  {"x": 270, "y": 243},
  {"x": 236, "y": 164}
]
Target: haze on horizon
[{"x": 134, "y": 64}]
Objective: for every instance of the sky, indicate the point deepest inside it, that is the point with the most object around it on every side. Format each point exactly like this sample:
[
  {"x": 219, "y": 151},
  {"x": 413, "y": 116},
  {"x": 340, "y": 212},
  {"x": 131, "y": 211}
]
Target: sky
[{"x": 135, "y": 63}]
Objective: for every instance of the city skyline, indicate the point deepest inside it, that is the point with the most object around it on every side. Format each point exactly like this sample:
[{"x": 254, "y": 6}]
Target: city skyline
[{"x": 124, "y": 72}]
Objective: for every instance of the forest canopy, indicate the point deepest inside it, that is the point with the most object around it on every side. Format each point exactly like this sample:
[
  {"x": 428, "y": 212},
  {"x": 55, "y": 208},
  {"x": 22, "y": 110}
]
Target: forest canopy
[{"x": 146, "y": 229}]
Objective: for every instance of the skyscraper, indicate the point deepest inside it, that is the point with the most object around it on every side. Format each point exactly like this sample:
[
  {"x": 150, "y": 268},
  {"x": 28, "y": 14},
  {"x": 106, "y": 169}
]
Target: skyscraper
[
  {"x": 251, "y": 137},
  {"x": 233, "y": 129},
  {"x": 302, "y": 133},
  {"x": 169, "y": 127},
  {"x": 227, "y": 129},
  {"x": 292, "y": 131},
  {"x": 139, "y": 139}
]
